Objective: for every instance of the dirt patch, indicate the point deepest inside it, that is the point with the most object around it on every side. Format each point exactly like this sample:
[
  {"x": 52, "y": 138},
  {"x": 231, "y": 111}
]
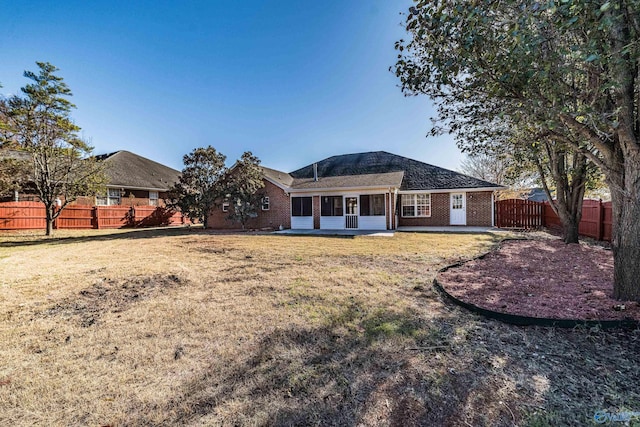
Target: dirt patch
[
  {"x": 542, "y": 278},
  {"x": 111, "y": 295}
]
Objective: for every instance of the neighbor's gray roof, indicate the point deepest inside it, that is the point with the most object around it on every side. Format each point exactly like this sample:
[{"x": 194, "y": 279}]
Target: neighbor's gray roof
[
  {"x": 417, "y": 175},
  {"x": 390, "y": 179},
  {"x": 14, "y": 154},
  {"x": 129, "y": 170}
]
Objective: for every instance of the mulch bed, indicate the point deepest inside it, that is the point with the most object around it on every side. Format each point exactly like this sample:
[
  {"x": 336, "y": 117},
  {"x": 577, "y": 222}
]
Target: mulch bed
[{"x": 541, "y": 278}]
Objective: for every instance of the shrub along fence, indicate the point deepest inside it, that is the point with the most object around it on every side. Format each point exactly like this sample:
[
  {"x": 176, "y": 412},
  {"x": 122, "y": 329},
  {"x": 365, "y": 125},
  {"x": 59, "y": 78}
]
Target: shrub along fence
[
  {"x": 514, "y": 213},
  {"x": 31, "y": 216}
]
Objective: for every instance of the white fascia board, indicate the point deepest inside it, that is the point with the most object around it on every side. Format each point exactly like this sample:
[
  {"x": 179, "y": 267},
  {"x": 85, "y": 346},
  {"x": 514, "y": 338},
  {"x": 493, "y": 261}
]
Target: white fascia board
[{"x": 452, "y": 190}]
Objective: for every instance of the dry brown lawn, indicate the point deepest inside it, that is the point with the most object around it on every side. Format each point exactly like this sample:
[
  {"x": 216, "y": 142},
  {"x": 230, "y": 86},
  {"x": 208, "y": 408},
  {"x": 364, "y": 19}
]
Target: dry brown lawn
[{"x": 186, "y": 327}]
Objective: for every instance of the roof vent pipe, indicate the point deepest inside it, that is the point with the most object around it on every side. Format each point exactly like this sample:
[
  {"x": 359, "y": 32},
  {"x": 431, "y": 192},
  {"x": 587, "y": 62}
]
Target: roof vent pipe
[{"x": 315, "y": 171}]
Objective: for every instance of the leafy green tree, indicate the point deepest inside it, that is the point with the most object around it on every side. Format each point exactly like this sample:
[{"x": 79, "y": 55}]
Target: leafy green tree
[
  {"x": 61, "y": 165},
  {"x": 242, "y": 184},
  {"x": 201, "y": 184},
  {"x": 569, "y": 68},
  {"x": 13, "y": 162}
]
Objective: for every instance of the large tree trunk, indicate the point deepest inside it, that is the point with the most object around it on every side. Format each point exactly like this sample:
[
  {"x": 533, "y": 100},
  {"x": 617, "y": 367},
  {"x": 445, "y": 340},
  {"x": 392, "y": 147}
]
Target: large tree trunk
[
  {"x": 569, "y": 188},
  {"x": 570, "y": 226},
  {"x": 625, "y": 201},
  {"x": 625, "y": 165},
  {"x": 50, "y": 219}
]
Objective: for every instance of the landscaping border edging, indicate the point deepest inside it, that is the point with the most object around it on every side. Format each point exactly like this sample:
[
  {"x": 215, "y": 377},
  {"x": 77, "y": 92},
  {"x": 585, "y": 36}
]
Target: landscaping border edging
[{"x": 515, "y": 319}]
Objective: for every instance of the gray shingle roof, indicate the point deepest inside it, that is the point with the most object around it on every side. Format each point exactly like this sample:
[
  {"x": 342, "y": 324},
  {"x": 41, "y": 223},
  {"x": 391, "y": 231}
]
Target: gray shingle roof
[
  {"x": 281, "y": 178},
  {"x": 129, "y": 170},
  {"x": 390, "y": 179},
  {"x": 417, "y": 175}
]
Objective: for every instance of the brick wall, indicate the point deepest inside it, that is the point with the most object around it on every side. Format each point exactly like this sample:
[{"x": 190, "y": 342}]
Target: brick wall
[
  {"x": 279, "y": 212},
  {"x": 439, "y": 212},
  {"x": 479, "y": 209}
]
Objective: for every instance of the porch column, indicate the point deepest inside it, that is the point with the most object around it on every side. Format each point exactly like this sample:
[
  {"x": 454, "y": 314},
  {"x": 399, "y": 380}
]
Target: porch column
[{"x": 316, "y": 212}]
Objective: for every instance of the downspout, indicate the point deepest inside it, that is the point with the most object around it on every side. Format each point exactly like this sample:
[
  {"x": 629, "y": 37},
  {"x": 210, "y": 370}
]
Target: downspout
[
  {"x": 395, "y": 203},
  {"x": 389, "y": 221},
  {"x": 493, "y": 207}
]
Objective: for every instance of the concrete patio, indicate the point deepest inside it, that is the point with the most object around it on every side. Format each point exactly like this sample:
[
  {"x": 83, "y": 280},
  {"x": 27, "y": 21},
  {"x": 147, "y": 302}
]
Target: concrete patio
[{"x": 390, "y": 233}]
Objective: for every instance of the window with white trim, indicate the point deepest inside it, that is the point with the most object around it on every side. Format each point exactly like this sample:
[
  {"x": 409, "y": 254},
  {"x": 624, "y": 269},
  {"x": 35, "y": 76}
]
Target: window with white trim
[
  {"x": 113, "y": 194},
  {"x": 265, "y": 203},
  {"x": 153, "y": 198},
  {"x": 416, "y": 205},
  {"x": 225, "y": 207}
]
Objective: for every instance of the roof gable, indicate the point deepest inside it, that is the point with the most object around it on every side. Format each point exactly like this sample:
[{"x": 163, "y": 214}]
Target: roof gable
[{"x": 417, "y": 175}]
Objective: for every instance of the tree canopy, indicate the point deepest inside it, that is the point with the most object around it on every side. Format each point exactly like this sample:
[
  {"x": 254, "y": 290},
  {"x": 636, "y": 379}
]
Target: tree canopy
[
  {"x": 200, "y": 186},
  {"x": 206, "y": 183},
  {"x": 242, "y": 188},
  {"x": 563, "y": 72},
  {"x": 61, "y": 165}
]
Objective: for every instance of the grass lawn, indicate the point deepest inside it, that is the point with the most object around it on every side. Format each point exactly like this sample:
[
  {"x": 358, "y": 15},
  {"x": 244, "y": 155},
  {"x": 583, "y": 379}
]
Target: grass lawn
[{"x": 185, "y": 327}]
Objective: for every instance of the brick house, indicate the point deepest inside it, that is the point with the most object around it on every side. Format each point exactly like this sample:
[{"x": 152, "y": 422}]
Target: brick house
[
  {"x": 368, "y": 191},
  {"x": 133, "y": 180}
]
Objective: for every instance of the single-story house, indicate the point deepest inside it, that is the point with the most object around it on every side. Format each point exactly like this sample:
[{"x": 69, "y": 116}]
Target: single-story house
[
  {"x": 133, "y": 180},
  {"x": 368, "y": 191}
]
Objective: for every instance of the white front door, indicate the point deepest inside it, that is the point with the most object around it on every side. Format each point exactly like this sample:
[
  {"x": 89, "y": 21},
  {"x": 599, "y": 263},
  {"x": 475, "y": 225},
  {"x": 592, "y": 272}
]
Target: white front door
[{"x": 458, "y": 211}]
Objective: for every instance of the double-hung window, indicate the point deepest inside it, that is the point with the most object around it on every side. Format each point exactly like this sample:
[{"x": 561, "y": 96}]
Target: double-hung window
[
  {"x": 153, "y": 198},
  {"x": 113, "y": 195},
  {"x": 416, "y": 205},
  {"x": 265, "y": 203}
]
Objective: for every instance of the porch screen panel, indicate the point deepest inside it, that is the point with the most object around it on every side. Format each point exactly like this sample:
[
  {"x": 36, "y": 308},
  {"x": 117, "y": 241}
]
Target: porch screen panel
[
  {"x": 301, "y": 206},
  {"x": 372, "y": 205},
  {"x": 331, "y": 206}
]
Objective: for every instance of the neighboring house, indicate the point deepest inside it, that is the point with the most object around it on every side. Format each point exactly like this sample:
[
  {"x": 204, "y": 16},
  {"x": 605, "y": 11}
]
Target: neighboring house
[
  {"x": 368, "y": 191},
  {"x": 536, "y": 195},
  {"x": 13, "y": 194},
  {"x": 133, "y": 180}
]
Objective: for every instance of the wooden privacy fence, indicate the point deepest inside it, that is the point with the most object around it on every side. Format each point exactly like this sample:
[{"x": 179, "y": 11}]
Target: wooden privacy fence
[
  {"x": 514, "y": 213},
  {"x": 31, "y": 216}
]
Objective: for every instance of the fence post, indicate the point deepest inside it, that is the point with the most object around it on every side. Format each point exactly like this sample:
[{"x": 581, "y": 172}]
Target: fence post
[
  {"x": 600, "y": 227},
  {"x": 132, "y": 216},
  {"x": 96, "y": 217}
]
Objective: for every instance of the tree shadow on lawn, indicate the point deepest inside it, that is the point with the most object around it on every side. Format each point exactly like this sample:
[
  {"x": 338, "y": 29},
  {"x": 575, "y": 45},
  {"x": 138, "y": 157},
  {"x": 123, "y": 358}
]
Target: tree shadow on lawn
[
  {"x": 9, "y": 241},
  {"x": 389, "y": 368}
]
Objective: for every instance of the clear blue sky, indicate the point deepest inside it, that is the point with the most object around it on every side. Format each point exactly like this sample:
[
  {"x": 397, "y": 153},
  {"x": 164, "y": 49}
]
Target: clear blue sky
[{"x": 292, "y": 81}]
